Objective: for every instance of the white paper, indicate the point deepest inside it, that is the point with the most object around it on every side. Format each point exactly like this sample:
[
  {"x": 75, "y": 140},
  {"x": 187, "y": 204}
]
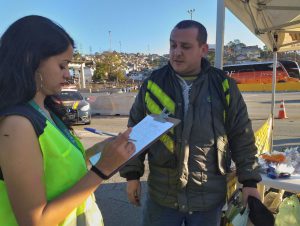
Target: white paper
[{"x": 146, "y": 131}]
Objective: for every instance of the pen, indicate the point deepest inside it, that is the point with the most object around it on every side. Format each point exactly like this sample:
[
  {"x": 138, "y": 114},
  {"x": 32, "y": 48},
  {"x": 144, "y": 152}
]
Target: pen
[{"x": 100, "y": 132}]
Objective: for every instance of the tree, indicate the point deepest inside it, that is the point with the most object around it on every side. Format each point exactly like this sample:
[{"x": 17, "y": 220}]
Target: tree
[
  {"x": 76, "y": 55},
  {"x": 266, "y": 54},
  {"x": 211, "y": 57},
  {"x": 233, "y": 49},
  {"x": 110, "y": 67},
  {"x": 101, "y": 72}
]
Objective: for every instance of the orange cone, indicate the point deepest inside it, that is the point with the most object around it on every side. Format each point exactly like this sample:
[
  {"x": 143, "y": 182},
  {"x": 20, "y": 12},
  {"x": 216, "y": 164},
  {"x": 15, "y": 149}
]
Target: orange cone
[{"x": 282, "y": 113}]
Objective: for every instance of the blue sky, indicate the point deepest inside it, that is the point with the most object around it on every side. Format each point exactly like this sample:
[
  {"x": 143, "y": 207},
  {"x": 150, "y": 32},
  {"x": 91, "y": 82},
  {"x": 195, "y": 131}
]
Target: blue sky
[{"x": 136, "y": 25}]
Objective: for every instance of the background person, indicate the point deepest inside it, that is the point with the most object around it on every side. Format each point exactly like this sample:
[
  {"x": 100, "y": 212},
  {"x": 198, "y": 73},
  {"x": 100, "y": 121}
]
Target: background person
[
  {"x": 43, "y": 174},
  {"x": 187, "y": 181}
]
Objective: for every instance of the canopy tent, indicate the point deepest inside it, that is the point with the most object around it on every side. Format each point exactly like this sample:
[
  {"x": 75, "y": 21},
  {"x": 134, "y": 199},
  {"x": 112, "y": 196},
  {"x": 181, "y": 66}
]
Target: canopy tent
[{"x": 275, "y": 22}]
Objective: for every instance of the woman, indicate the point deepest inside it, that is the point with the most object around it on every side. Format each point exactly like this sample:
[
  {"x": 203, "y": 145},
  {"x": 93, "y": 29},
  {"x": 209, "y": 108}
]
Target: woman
[{"x": 43, "y": 174}]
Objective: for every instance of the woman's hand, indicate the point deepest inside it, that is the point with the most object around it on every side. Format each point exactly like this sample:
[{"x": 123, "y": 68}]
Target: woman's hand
[
  {"x": 98, "y": 147},
  {"x": 116, "y": 152}
]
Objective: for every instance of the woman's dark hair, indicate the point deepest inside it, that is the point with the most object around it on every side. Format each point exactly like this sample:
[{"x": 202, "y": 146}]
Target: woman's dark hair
[{"x": 23, "y": 46}]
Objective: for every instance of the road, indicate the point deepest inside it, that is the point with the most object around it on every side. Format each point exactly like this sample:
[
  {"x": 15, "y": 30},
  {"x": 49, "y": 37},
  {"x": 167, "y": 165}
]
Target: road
[{"x": 111, "y": 196}]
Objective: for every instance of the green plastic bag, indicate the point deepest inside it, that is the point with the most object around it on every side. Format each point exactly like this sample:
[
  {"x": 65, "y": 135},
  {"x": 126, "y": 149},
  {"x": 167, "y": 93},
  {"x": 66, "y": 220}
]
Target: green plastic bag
[
  {"x": 236, "y": 214},
  {"x": 289, "y": 212},
  {"x": 241, "y": 219}
]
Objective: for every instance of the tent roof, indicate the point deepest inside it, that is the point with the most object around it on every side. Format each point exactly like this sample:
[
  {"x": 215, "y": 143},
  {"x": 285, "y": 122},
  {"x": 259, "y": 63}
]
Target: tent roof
[{"x": 275, "y": 22}]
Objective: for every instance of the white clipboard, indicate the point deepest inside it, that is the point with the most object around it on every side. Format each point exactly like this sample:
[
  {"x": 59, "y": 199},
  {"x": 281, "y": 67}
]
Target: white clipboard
[{"x": 145, "y": 133}]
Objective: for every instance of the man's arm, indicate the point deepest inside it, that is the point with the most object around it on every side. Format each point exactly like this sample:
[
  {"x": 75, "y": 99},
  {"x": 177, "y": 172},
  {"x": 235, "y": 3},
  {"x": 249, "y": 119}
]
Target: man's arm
[
  {"x": 242, "y": 144},
  {"x": 241, "y": 139},
  {"x": 135, "y": 168}
]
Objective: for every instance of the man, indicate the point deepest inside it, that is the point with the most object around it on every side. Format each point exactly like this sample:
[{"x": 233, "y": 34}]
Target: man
[{"x": 187, "y": 179}]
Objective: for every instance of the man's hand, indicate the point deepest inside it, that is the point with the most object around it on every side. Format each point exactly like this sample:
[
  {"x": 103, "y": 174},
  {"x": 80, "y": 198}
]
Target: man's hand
[
  {"x": 247, "y": 191},
  {"x": 134, "y": 191}
]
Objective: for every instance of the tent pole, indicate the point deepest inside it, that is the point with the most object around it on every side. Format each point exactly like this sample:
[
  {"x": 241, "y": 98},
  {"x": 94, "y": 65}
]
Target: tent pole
[
  {"x": 273, "y": 94},
  {"x": 220, "y": 34}
]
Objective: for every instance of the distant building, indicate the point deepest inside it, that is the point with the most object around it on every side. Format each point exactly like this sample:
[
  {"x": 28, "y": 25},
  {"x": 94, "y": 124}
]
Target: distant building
[
  {"x": 241, "y": 57},
  {"x": 137, "y": 77},
  {"x": 251, "y": 51},
  {"x": 212, "y": 48},
  {"x": 88, "y": 74}
]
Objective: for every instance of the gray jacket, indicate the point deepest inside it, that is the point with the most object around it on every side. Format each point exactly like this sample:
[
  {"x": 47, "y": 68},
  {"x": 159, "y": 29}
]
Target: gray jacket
[{"x": 193, "y": 177}]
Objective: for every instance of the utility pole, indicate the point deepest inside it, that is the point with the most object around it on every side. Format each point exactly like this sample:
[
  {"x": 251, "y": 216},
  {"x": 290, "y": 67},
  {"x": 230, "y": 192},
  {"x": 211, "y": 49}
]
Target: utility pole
[
  {"x": 80, "y": 48},
  {"x": 191, "y": 11},
  {"x": 120, "y": 46},
  {"x": 109, "y": 35}
]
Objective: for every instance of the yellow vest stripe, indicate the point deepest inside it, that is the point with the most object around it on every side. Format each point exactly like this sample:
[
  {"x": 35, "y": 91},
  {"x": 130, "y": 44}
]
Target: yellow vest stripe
[
  {"x": 161, "y": 96},
  {"x": 168, "y": 142},
  {"x": 225, "y": 85},
  {"x": 151, "y": 105},
  {"x": 155, "y": 109}
]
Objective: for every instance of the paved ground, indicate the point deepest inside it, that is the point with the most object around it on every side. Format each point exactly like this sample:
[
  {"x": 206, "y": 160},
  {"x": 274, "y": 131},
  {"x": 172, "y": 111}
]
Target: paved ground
[{"x": 111, "y": 196}]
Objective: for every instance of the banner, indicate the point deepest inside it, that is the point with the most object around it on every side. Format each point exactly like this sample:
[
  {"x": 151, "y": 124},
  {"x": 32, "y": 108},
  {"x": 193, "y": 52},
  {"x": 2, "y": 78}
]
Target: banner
[{"x": 263, "y": 137}]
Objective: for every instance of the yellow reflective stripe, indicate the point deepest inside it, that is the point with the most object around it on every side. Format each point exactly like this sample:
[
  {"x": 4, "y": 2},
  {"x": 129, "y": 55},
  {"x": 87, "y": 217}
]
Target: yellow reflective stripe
[
  {"x": 225, "y": 85},
  {"x": 152, "y": 106},
  {"x": 228, "y": 99},
  {"x": 80, "y": 210},
  {"x": 75, "y": 105},
  {"x": 155, "y": 109},
  {"x": 168, "y": 142},
  {"x": 161, "y": 96}
]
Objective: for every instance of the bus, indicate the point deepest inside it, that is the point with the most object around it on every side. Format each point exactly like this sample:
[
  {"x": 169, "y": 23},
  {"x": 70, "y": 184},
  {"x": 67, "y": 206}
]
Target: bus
[
  {"x": 258, "y": 72},
  {"x": 291, "y": 67}
]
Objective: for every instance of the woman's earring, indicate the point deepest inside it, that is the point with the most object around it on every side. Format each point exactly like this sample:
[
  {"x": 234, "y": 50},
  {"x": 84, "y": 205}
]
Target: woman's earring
[{"x": 40, "y": 82}]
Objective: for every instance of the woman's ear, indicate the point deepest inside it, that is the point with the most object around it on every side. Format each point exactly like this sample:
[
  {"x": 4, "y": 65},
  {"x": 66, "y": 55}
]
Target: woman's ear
[{"x": 39, "y": 80}]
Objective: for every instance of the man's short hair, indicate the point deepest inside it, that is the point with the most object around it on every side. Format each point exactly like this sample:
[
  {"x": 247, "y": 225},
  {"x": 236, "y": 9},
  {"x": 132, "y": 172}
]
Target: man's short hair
[{"x": 202, "y": 33}]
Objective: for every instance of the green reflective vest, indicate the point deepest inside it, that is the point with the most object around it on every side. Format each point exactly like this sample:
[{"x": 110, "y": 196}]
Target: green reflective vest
[{"x": 64, "y": 165}]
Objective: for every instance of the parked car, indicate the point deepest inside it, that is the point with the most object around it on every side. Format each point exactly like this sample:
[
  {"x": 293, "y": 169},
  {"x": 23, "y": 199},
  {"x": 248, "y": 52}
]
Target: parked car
[{"x": 77, "y": 108}]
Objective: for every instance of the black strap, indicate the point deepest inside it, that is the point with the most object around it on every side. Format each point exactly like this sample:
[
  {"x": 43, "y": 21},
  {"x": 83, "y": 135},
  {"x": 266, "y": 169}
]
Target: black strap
[
  {"x": 1, "y": 175},
  {"x": 99, "y": 173}
]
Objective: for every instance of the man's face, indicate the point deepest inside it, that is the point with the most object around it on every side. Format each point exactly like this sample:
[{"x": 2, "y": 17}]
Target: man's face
[{"x": 186, "y": 52}]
